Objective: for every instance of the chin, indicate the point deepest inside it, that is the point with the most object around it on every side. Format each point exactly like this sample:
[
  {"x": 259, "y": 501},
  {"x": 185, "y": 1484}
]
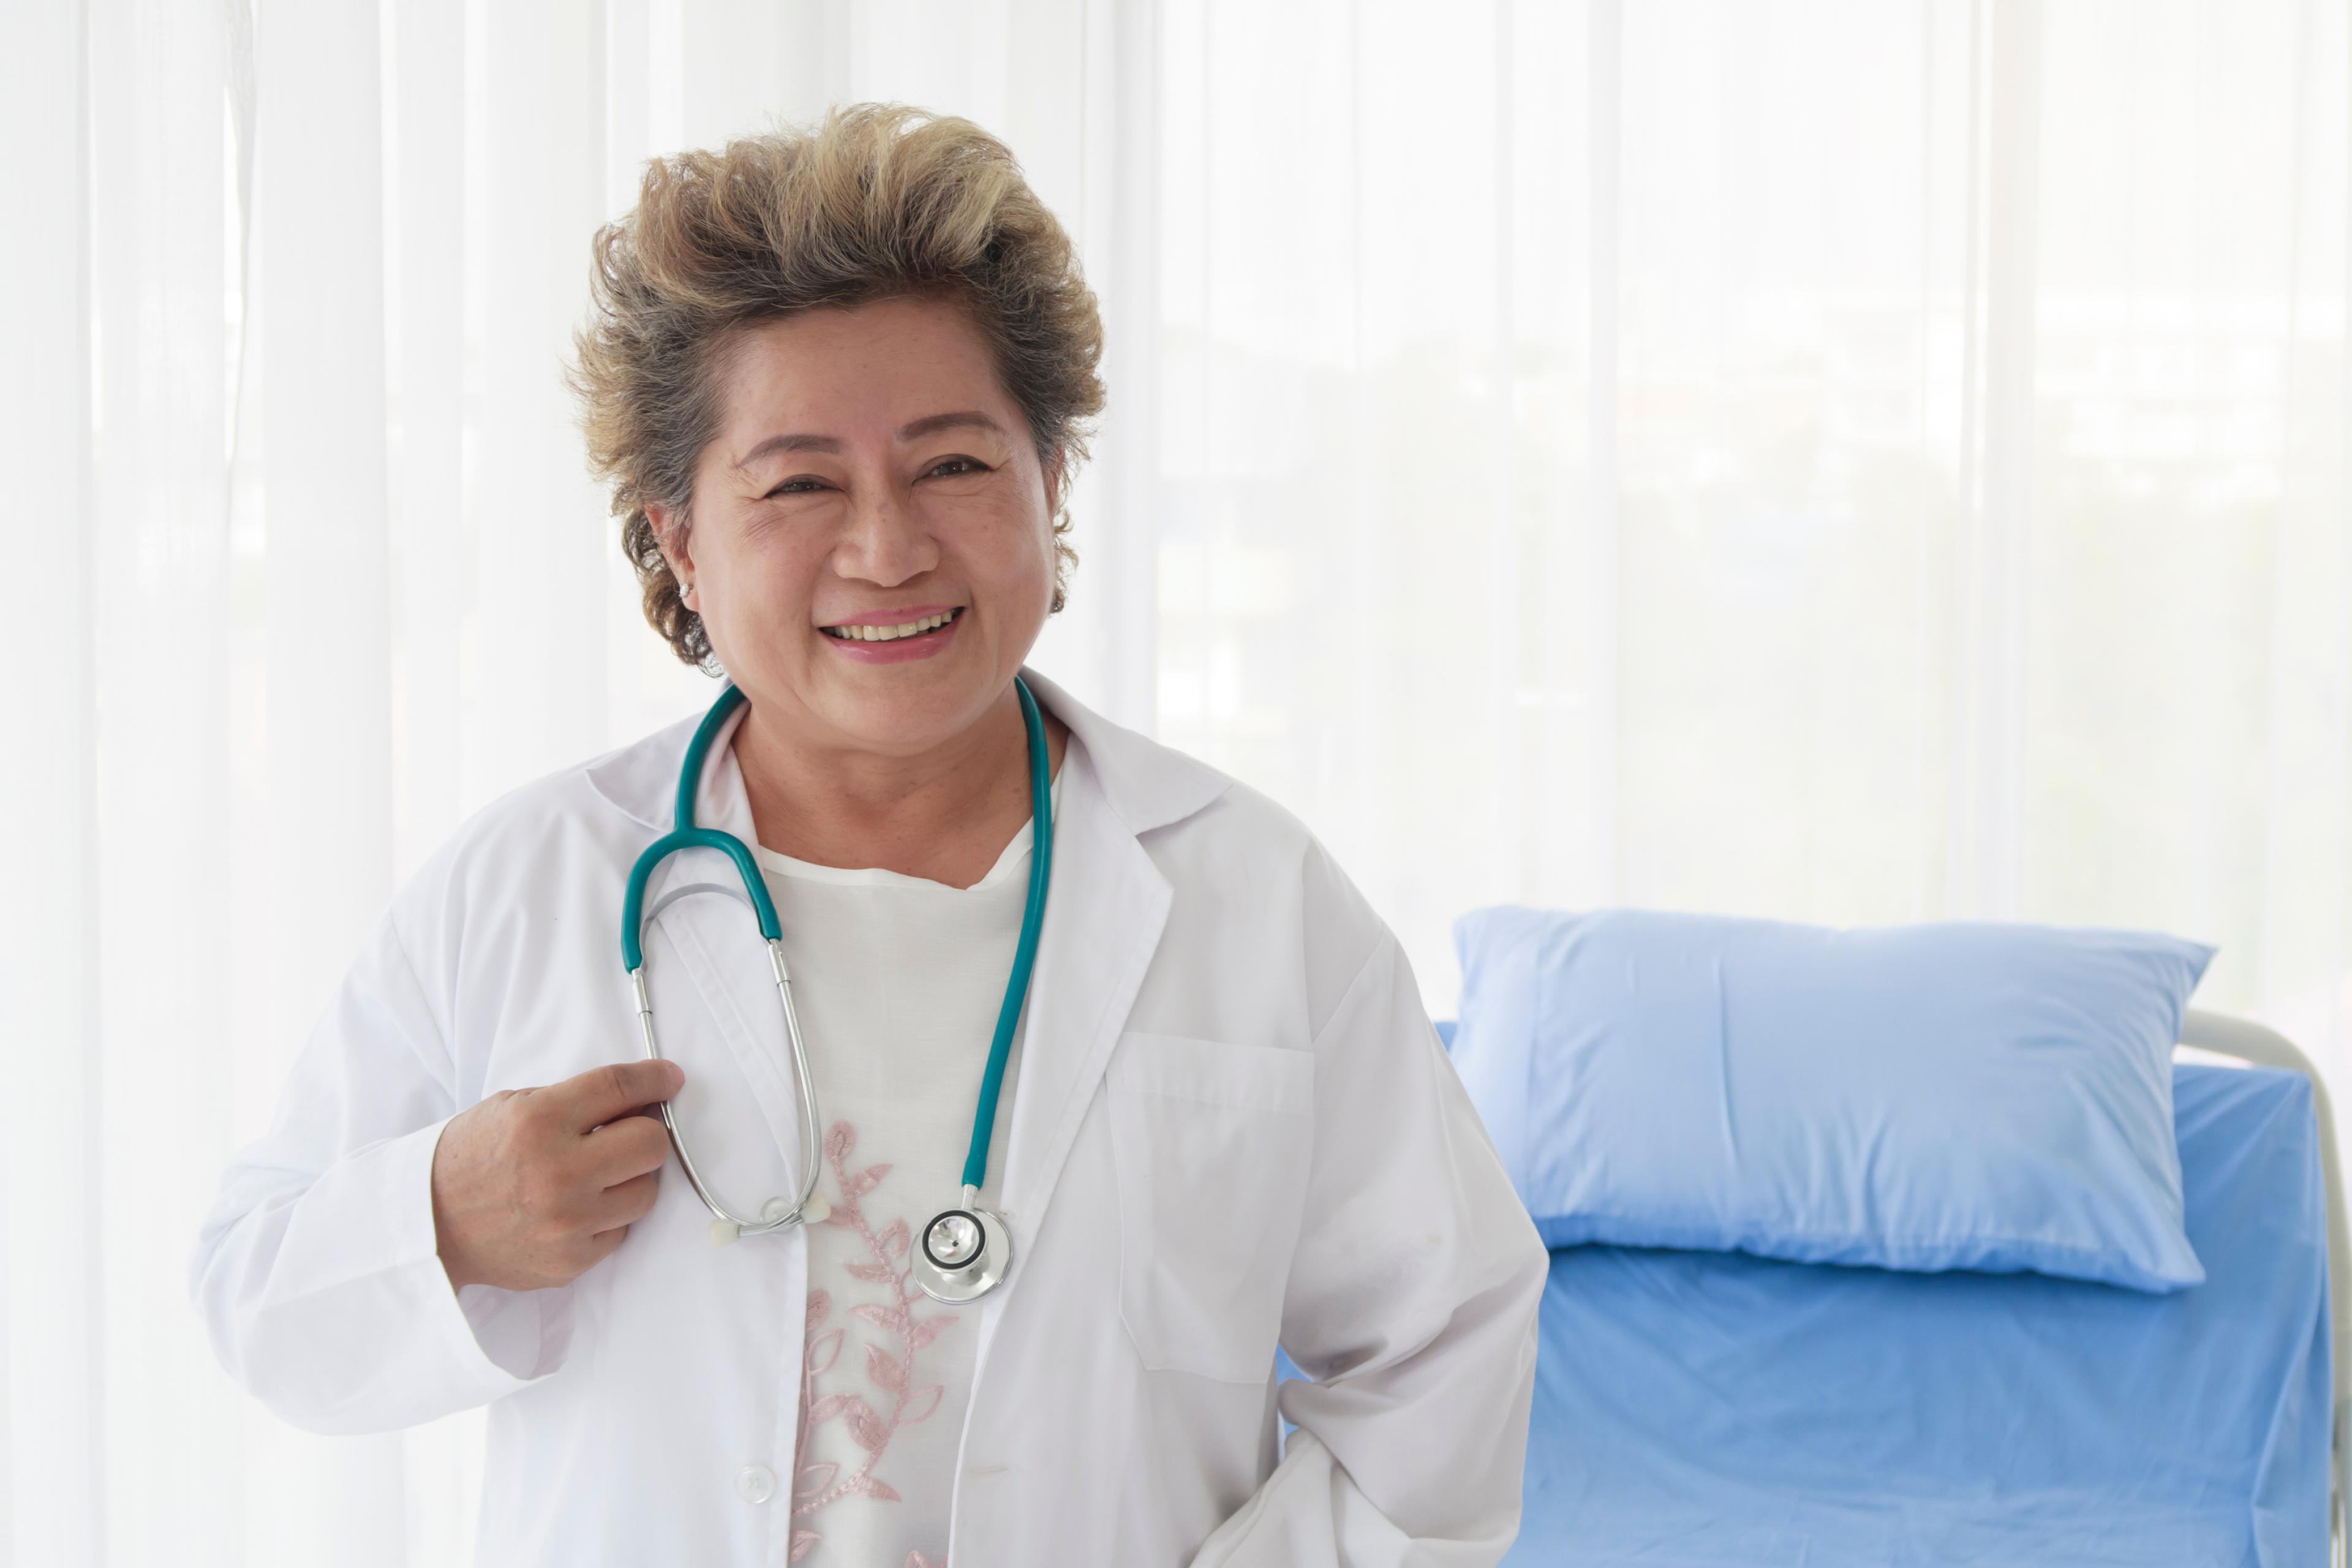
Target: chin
[{"x": 890, "y": 712}]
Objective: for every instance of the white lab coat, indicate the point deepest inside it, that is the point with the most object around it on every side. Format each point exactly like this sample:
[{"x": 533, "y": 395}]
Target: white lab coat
[{"x": 1231, "y": 1124}]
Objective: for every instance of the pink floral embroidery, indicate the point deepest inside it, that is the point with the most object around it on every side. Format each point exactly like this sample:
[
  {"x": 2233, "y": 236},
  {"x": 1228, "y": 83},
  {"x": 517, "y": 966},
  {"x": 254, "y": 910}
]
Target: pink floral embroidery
[{"x": 818, "y": 1483}]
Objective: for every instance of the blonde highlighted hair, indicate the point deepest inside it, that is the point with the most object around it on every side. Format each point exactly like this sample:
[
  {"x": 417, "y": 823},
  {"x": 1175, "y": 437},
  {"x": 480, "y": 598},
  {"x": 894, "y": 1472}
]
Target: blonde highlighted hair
[{"x": 877, "y": 200}]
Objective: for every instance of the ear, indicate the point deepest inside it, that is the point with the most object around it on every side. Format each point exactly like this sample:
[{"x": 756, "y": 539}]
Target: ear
[{"x": 670, "y": 531}]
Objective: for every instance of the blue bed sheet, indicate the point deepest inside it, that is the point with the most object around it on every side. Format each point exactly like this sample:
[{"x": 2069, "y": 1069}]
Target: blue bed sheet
[{"x": 1702, "y": 1410}]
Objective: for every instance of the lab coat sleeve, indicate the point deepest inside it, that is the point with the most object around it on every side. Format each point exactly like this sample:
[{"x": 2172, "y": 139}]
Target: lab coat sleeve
[
  {"x": 317, "y": 1270},
  {"x": 1411, "y": 1304}
]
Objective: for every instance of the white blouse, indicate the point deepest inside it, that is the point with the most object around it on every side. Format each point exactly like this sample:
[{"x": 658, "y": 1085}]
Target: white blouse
[{"x": 899, "y": 981}]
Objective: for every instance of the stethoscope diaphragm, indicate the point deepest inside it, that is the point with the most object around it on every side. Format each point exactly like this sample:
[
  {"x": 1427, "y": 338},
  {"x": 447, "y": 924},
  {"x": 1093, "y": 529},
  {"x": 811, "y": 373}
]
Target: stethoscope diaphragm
[{"x": 962, "y": 1254}]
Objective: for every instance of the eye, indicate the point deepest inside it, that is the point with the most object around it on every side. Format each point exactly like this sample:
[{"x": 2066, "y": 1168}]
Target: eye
[
  {"x": 971, "y": 466},
  {"x": 786, "y": 488}
]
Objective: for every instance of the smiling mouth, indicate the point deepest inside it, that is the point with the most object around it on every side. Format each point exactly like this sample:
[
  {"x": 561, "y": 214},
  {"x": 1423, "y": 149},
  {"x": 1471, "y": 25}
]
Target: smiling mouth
[{"x": 928, "y": 625}]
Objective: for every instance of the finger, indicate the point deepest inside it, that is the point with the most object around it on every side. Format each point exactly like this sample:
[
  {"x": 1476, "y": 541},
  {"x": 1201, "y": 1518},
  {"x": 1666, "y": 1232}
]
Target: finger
[
  {"x": 601, "y": 1094},
  {"x": 592, "y": 1250},
  {"x": 626, "y": 1203},
  {"x": 625, "y": 1147}
]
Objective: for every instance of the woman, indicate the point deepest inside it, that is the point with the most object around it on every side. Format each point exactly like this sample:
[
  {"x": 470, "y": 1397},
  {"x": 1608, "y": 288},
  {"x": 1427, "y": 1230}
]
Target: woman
[{"x": 838, "y": 382}]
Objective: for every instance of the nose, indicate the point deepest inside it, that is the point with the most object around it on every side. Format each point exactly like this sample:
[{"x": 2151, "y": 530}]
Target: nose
[{"x": 886, "y": 542}]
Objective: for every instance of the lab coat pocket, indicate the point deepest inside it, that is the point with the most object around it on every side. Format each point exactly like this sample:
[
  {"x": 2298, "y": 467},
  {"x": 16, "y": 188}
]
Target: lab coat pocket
[{"x": 1211, "y": 1144}]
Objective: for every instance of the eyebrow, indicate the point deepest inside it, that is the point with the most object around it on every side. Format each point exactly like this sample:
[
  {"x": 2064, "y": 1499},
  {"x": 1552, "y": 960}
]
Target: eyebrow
[{"x": 923, "y": 427}]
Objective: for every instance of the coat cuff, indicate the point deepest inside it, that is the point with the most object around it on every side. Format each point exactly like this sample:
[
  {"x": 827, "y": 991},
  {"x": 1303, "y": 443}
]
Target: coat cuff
[
  {"x": 495, "y": 1338},
  {"x": 360, "y": 1330}
]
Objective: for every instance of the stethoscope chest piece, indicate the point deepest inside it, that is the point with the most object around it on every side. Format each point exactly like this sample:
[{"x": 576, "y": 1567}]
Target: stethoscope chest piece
[{"x": 962, "y": 1254}]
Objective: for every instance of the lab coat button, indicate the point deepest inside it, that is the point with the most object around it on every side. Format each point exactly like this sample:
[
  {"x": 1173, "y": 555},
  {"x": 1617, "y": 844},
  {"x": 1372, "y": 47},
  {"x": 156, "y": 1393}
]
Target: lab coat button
[{"x": 755, "y": 1483}]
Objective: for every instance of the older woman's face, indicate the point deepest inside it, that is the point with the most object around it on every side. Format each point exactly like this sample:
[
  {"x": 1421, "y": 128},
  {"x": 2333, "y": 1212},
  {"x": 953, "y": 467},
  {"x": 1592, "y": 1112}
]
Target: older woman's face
[{"x": 871, "y": 541}]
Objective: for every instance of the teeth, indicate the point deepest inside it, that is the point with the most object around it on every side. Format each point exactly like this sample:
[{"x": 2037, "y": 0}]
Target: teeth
[{"x": 890, "y": 634}]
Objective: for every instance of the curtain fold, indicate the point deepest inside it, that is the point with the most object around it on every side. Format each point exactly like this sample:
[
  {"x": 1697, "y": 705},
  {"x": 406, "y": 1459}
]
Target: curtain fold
[
  {"x": 1835, "y": 460},
  {"x": 161, "y": 611},
  {"x": 53, "y": 1439}
]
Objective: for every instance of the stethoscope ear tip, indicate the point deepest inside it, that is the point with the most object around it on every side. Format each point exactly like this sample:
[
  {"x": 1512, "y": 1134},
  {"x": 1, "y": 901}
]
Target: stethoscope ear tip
[{"x": 723, "y": 1231}]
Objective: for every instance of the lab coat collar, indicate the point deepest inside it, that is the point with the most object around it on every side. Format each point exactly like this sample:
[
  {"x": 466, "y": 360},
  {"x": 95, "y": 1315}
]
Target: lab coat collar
[{"x": 1145, "y": 783}]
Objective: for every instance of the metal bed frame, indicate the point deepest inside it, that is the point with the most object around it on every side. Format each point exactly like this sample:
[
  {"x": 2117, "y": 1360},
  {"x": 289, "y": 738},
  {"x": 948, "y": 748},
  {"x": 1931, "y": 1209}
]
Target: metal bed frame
[{"x": 2251, "y": 1042}]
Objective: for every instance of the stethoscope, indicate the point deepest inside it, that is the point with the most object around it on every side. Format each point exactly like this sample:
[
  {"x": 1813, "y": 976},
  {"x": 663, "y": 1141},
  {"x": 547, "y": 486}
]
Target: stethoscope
[{"x": 965, "y": 1250}]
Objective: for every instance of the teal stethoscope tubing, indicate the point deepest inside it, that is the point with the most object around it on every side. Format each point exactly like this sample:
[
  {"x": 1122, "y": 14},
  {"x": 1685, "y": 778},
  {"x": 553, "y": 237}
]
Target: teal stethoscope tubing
[
  {"x": 686, "y": 834},
  {"x": 1024, "y": 954}
]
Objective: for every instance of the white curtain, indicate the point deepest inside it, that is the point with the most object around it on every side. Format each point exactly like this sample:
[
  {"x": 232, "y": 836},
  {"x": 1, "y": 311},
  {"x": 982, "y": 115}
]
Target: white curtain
[
  {"x": 1847, "y": 461},
  {"x": 1843, "y": 461}
]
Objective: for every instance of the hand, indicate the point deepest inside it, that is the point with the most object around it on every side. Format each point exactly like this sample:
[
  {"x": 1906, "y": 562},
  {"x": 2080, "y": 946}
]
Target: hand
[{"x": 531, "y": 1186}]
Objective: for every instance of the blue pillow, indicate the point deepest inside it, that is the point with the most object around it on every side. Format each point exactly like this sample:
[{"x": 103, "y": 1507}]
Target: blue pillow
[{"x": 1952, "y": 1096}]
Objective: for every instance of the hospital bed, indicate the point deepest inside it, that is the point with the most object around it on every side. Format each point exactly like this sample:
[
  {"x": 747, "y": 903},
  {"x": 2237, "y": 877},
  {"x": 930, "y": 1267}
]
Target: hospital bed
[
  {"x": 2242, "y": 1039},
  {"x": 1705, "y": 1409}
]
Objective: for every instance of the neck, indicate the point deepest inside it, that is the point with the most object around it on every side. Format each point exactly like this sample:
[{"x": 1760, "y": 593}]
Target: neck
[{"x": 944, "y": 813}]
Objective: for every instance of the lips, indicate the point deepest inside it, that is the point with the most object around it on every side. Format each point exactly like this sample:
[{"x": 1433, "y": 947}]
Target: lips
[{"x": 896, "y": 636}]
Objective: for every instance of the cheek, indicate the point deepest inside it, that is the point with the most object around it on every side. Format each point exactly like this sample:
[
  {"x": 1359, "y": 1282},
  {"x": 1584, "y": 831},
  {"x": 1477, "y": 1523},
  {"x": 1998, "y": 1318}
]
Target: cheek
[
  {"x": 773, "y": 562},
  {"x": 1005, "y": 546},
  {"x": 1028, "y": 561}
]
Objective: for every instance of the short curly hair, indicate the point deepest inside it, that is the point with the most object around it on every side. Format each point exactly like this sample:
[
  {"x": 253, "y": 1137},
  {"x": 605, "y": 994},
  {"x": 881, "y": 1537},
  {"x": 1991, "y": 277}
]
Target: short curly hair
[{"x": 877, "y": 200}]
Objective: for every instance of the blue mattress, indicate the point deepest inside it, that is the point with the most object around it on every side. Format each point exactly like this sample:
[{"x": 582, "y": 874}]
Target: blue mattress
[{"x": 1700, "y": 1408}]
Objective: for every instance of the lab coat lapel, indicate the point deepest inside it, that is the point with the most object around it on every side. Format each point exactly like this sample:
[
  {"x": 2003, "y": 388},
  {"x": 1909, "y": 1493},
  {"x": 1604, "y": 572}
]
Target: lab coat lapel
[
  {"x": 1104, "y": 909},
  {"x": 706, "y": 934}
]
